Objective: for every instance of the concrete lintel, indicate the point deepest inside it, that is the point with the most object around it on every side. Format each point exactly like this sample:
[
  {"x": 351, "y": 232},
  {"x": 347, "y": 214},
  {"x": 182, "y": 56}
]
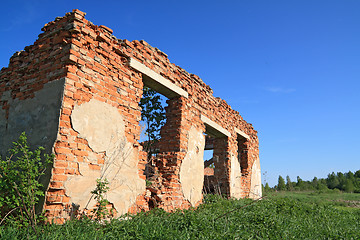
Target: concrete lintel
[
  {"x": 157, "y": 82},
  {"x": 214, "y": 128},
  {"x": 241, "y": 133}
]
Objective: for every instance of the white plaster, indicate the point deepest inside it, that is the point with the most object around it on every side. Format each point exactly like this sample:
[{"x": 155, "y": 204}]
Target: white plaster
[
  {"x": 215, "y": 126},
  {"x": 162, "y": 83},
  {"x": 192, "y": 167},
  {"x": 97, "y": 122},
  {"x": 103, "y": 126},
  {"x": 241, "y": 133},
  {"x": 79, "y": 187},
  {"x": 255, "y": 189},
  {"x": 235, "y": 178}
]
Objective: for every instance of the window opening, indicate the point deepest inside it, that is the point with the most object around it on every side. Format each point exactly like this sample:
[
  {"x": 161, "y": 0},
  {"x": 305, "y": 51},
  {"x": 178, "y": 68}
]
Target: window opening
[{"x": 153, "y": 118}]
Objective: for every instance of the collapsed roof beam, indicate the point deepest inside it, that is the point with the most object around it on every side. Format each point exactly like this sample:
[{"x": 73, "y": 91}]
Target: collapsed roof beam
[{"x": 157, "y": 82}]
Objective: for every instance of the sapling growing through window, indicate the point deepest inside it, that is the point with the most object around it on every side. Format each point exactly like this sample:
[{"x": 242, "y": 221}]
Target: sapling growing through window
[{"x": 153, "y": 114}]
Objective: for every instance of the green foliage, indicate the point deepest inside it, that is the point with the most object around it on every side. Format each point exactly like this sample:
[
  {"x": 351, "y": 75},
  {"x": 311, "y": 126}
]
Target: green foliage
[
  {"x": 281, "y": 184},
  {"x": 267, "y": 188},
  {"x": 101, "y": 212},
  {"x": 20, "y": 189},
  {"x": 347, "y": 182},
  {"x": 148, "y": 183},
  {"x": 289, "y": 185},
  {"x": 332, "y": 181},
  {"x": 153, "y": 114},
  {"x": 212, "y": 165},
  {"x": 349, "y": 186},
  {"x": 286, "y": 215}
]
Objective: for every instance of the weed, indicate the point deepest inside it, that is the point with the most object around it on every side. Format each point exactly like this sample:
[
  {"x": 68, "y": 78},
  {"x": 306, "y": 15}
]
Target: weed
[{"x": 101, "y": 212}]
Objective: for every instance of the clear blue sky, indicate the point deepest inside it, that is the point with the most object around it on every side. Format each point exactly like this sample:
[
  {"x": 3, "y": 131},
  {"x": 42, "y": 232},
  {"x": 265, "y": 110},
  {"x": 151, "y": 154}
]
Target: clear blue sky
[{"x": 291, "y": 68}]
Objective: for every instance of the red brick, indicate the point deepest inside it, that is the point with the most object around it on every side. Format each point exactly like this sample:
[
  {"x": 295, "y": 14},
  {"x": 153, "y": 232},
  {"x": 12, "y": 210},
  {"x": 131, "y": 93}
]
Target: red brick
[
  {"x": 61, "y": 164},
  {"x": 62, "y": 150},
  {"x": 59, "y": 177},
  {"x": 79, "y": 153}
]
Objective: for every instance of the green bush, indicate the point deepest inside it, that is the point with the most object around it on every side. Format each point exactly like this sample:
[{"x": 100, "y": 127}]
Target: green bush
[{"x": 20, "y": 189}]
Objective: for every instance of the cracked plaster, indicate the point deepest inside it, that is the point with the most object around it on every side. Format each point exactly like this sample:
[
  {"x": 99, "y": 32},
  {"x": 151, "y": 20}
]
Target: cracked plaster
[
  {"x": 192, "y": 167},
  {"x": 103, "y": 127}
]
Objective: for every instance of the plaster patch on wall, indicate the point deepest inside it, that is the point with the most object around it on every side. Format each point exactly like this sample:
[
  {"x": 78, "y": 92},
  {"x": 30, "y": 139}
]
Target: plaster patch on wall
[
  {"x": 255, "y": 189},
  {"x": 192, "y": 167},
  {"x": 97, "y": 122},
  {"x": 235, "y": 178},
  {"x": 79, "y": 187},
  {"x": 103, "y": 127}
]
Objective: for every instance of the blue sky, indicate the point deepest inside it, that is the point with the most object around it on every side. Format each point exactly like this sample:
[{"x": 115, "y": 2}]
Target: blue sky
[{"x": 291, "y": 68}]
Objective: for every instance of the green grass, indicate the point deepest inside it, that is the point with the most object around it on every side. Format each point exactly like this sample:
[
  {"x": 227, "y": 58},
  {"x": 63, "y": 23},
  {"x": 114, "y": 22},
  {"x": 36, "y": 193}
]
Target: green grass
[
  {"x": 280, "y": 216},
  {"x": 332, "y": 197}
]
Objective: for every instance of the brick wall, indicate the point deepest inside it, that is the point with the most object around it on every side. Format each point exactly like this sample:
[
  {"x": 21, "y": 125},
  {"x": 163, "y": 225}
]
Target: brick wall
[{"x": 95, "y": 65}]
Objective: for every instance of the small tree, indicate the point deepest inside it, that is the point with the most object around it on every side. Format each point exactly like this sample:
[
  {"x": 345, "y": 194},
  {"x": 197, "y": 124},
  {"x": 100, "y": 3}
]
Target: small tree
[
  {"x": 349, "y": 186},
  {"x": 20, "y": 188},
  {"x": 300, "y": 184},
  {"x": 101, "y": 212},
  {"x": 357, "y": 174},
  {"x": 153, "y": 114},
  {"x": 315, "y": 183},
  {"x": 342, "y": 181},
  {"x": 289, "y": 185},
  {"x": 332, "y": 181},
  {"x": 267, "y": 187},
  {"x": 281, "y": 184}
]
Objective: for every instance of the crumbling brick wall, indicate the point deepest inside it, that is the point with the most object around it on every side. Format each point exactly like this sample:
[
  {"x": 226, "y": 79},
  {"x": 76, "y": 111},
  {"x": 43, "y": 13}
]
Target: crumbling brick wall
[{"x": 93, "y": 123}]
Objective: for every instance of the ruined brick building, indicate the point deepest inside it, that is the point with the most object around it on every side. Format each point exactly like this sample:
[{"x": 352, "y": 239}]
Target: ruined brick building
[{"x": 76, "y": 91}]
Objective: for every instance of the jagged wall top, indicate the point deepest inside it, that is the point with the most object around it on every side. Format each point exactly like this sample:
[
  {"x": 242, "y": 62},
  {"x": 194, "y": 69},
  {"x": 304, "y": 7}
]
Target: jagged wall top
[{"x": 73, "y": 23}]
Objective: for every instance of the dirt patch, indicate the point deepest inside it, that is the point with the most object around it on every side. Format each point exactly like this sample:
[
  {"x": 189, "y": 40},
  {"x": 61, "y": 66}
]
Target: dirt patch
[{"x": 349, "y": 203}]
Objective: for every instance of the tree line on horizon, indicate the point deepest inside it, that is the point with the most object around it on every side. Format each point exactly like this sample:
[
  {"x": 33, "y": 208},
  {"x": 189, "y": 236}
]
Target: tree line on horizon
[{"x": 346, "y": 182}]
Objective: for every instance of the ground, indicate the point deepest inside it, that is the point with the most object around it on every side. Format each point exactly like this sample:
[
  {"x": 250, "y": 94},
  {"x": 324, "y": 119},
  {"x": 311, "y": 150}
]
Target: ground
[{"x": 282, "y": 215}]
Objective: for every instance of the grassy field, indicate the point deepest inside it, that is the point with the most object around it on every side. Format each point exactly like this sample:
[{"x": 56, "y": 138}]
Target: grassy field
[
  {"x": 351, "y": 201},
  {"x": 284, "y": 215}
]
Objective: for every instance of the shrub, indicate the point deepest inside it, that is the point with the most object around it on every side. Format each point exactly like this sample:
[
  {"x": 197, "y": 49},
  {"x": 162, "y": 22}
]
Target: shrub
[{"x": 20, "y": 189}]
